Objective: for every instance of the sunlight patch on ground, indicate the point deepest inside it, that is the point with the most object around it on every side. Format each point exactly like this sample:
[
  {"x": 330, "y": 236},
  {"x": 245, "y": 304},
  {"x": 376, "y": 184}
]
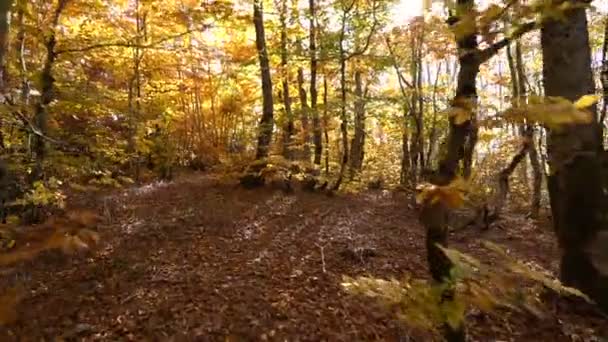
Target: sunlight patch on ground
[
  {"x": 250, "y": 226},
  {"x": 149, "y": 188}
]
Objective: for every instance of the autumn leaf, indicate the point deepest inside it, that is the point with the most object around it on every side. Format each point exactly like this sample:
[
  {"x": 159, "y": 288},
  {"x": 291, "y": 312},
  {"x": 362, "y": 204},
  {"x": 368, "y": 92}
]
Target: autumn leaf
[
  {"x": 451, "y": 195},
  {"x": 586, "y": 101},
  {"x": 460, "y": 115}
]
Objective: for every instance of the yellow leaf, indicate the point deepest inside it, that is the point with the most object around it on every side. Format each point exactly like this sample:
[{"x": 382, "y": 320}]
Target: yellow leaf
[
  {"x": 454, "y": 311},
  {"x": 460, "y": 115},
  {"x": 586, "y": 101}
]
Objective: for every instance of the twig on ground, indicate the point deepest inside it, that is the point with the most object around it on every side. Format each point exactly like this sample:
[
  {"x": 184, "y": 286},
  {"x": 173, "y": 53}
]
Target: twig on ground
[{"x": 322, "y": 257}]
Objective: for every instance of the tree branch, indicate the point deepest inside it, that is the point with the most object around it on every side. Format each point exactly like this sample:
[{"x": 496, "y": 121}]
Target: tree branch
[
  {"x": 487, "y": 53},
  {"x": 127, "y": 44}
]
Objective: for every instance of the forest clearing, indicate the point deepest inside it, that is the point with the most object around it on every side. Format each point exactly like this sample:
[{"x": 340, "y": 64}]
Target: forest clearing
[
  {"x": 290, "y": 170},
  {"x": 221, "y": 263}
]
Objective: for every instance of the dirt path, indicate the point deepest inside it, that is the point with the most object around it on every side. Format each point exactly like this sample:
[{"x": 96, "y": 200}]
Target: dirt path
[{"x": 206, "y": 261}]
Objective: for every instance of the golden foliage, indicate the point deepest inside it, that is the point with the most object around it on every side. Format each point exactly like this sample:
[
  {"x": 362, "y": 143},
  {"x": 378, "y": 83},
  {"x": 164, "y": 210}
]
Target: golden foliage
[
  {"x": 553, "y": 112},
  {"x": 486, "y": 286},
  {"x": 451, "y": 195}
]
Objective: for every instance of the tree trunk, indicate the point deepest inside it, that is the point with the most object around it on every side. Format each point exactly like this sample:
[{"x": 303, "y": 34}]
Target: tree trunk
[
  {"x": 604, "y": 77},
  {"x": 316, "y": 125},
  {"x": 502, "y": 191},
  {"x": 430, "y": 155},
  {"x": 343, "y": 114},
  {"x": 305, "y": 111},
  {"x": 267, "y": 121},
  {"x": 434, "y": 216},
  {"x": 405, "y": 149},
  {"x": 25, "y": 83},
  {"x": 325, "y": 124},
  {"x": 358, "y": 141},
  {"x": 46, "y": 96},
  {"x": 537, "y": 176},
  {"x": 288, "y": 129},
  {"x": 5, "y": 7},
  {"x": 577, "y": 175},
  {"x": 134, "y": 96}
]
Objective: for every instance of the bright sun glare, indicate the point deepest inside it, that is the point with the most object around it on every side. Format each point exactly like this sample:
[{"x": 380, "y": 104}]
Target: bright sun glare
[{"x": 407, "y": 9}]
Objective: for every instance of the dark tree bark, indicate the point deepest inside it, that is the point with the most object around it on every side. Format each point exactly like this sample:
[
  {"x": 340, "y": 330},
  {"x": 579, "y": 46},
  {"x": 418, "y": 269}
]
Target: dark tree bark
[
  {"x": 433, "y": 133},
  {"x": 5, "y": 7},
  {"x": 25, "y": 82},
  {"x": 434, "y": 216},
  {"x": 460, "y": 146},
  {"x": 604, "y": 77},
  {"x": 343, "y": 115},
  {"x": 304, "y": 116},
  {"x": 405, "y": 149},
  {"x": 537, "y": 176},
  {"x": 358, "y": 142},
  {"x": 47, "y": 95},
  {"x": 325, "y": 124},
  {"x": 267, "y": 121},
  {"x": 316, "y": 125},
  {"x": 288, "y": 130},
  {"x": 578, "y": 178},
  {"x": 134, "y": 96}
]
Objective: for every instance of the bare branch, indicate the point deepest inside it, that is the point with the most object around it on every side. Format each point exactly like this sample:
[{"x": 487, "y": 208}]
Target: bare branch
[{"x": 487, "y": 53}]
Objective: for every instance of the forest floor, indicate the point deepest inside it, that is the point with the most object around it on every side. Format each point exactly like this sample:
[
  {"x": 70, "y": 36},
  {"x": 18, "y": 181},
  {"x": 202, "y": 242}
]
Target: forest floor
[{"x": 201, "y": 259}]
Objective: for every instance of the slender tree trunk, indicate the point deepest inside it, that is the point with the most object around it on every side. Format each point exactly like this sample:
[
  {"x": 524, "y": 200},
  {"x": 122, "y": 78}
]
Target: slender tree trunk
[
  {"x": 604, "y": 77},
  {"x": 316, "y": 125},
  {"x": 134, "y": 96},
  {"x": 577, "y": 179},
  {"x": 405, "y": 149},
  {"x": 46, "y": 96},
  {"x": 525, "y": 129},
  {"x": 288, "y": 130},
  {"x": 267, "y": 121},
  {"x": 416, "y": 115},
  {"x": 503, "y": 180},
  {"x": 25, "y": 83},
  {"x": 434, "y": 216},
  {"x": 343, "y": 114},
  {"x": 5, "y": 7},
  {"x": 305, "y": 112},
  {"x": 433, "y": 131},
  {"x": 325, "y": 124},
  {"x": 420, "y": 94},
  {"x": 537, "y": 176},
  {"x": 358, "y": 141}
]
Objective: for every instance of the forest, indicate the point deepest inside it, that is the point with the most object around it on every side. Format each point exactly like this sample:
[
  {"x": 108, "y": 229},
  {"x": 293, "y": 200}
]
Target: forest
[{"x": 303, "y": 170}]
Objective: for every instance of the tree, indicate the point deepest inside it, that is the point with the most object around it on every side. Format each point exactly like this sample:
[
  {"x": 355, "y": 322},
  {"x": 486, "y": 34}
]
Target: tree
[
  {"x": 461, "y": 140},
  {"x": 267, "y": 120},
  {"x": 288, "y": 130},
  {"x": 47, "y": 85},
  {"x": 5, "y": 7},
  {"x": 316, "y": 123},
  {"x": 576, "y": 158}
]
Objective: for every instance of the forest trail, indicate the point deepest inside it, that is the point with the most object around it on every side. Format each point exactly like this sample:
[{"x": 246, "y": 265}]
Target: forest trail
[{"x": 201, "y": 259}]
